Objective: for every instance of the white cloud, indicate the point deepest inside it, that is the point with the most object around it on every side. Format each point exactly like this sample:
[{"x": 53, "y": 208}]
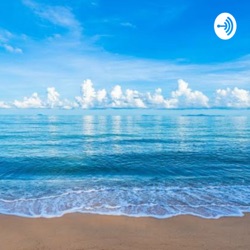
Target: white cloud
[
  {"x": 5, "y": 38},
  {"x": 53, "y": 98},
  {"x": 69, "y": 105},
  {"x": 232, "y": 98},
  {"x": 85, "y": 58},
  {"x": 134, "y": 99},
  {"x": 3, "y": 105},
  {"x": 90, "y": 98},
  {"x": 101, "y": 95},
  {"x": 5, "y": 35},
  {"x": 157, "y": 100},
  {"x": 88, "y": 93},
  {"x": 185, "y": 97},
  {"x": 128, "y": 25},
  {"x": 12, "y": 49},
  {"x": 117, "y": 97},
  {"x": 29, "y": 102},
  {"x": 116, "y": 93},
  {"x": 53, "y": 101},
  {"x": 58, "y": 15},
  {"x": 129, "y": 99}
]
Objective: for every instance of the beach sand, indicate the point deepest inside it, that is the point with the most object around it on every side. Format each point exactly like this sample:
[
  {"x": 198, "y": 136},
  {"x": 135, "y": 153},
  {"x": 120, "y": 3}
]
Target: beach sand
[{"x": 82, "y": 232}]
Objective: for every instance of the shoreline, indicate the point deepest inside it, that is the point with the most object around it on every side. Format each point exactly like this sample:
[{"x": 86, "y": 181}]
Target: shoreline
[
  {"x": 129, "y": 216},
  {"x": 78, "y": 231}
]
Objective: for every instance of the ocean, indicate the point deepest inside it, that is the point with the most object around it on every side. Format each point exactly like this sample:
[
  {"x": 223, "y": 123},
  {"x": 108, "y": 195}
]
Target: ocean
[{"x": 135, "y": 165}]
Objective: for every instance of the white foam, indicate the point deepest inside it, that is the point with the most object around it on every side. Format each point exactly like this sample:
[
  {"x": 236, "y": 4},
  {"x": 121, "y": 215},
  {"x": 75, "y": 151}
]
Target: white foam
[{"x": 158, "y": 202}]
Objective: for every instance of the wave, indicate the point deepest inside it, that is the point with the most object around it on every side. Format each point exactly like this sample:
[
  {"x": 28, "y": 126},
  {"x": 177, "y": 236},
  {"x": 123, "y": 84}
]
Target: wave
[{"x": 207, "y": 202}]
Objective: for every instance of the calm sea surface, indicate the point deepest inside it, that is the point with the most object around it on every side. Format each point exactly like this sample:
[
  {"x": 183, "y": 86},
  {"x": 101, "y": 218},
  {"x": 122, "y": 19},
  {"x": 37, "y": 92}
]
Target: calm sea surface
[{"x": 157, "y": 166}]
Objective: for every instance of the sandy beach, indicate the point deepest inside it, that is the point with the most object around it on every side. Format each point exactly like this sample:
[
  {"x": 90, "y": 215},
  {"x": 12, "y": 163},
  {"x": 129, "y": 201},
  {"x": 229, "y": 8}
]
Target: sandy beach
[{"x": 83, "y": 232}]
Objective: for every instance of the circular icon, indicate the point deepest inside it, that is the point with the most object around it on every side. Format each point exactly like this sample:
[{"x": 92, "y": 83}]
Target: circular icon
[{"x": 225, "y": 26}]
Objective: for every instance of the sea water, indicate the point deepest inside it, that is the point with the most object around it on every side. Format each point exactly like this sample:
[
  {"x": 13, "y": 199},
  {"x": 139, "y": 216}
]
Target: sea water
[{"x": 135, "y": 165}]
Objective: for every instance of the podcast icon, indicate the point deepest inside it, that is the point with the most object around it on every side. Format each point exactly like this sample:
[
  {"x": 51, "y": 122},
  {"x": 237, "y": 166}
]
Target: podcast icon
[{"x": 225, "y": 26}]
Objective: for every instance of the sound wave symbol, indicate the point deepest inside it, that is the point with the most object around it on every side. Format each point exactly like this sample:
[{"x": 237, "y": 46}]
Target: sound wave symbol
[{"x": 228, "y": 26}]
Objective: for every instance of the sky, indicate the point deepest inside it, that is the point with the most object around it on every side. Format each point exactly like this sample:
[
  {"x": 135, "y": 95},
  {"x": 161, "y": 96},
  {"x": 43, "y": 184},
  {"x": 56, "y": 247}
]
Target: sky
[{"x": 87, "y": 54}]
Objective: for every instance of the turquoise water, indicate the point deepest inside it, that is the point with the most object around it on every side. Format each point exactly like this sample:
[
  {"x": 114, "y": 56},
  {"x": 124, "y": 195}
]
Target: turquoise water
[{"x": 158, "y": 166}]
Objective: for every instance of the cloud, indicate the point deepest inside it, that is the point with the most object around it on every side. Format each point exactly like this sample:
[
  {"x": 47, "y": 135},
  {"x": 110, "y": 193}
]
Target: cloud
[
  {"x": 33, "y": 101},
  {"x": 128, "y": 25},
  {"x": 185, "y": 97},
  {"x": 90, "y": 98},
  {"x": 232, "y": 98},
  {"x": 85, "y": 60},
  {"x": 3, "y": 105},
  {"x": 58, "y": 15},
  {"x": 129, "y": 99},
  {"x": 157, "y": 100},
  {"x": 11, "y": 49},
  {"x": 53, "y": 98},
  {"x": 53, "y": 101},
  {"x": 5, "y": 35},
  {"x": 5, "y": 38}
]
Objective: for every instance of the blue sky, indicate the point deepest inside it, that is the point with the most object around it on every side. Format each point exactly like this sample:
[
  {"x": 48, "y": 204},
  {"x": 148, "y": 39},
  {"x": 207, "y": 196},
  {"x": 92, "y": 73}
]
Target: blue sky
[{"x": 139, "y": 45}]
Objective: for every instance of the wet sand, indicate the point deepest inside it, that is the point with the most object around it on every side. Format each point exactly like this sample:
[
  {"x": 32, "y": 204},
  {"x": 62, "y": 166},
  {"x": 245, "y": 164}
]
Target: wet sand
[{"x": 85, "y": 232}]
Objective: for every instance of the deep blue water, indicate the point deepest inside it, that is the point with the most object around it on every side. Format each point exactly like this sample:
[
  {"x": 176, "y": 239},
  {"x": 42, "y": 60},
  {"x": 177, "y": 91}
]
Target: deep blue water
[{"x": 157, "y": 166}]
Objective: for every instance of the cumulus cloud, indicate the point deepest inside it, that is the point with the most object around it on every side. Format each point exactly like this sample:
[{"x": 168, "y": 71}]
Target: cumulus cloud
[
  {"x": 53, "y": 101},
  {"x": 117, "y": 98},
  {"x": 129, "y": 99},
  {"x": 134, "y": 99},
  {"x": 91, "y": 98},
  {"x": 157, "y": 100},
  {"x": 232, "y": 98},
  {"x": 53, "y": 98},
  {"x": 185, "y": 97},
  {"x": 33, "y": 101}
]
